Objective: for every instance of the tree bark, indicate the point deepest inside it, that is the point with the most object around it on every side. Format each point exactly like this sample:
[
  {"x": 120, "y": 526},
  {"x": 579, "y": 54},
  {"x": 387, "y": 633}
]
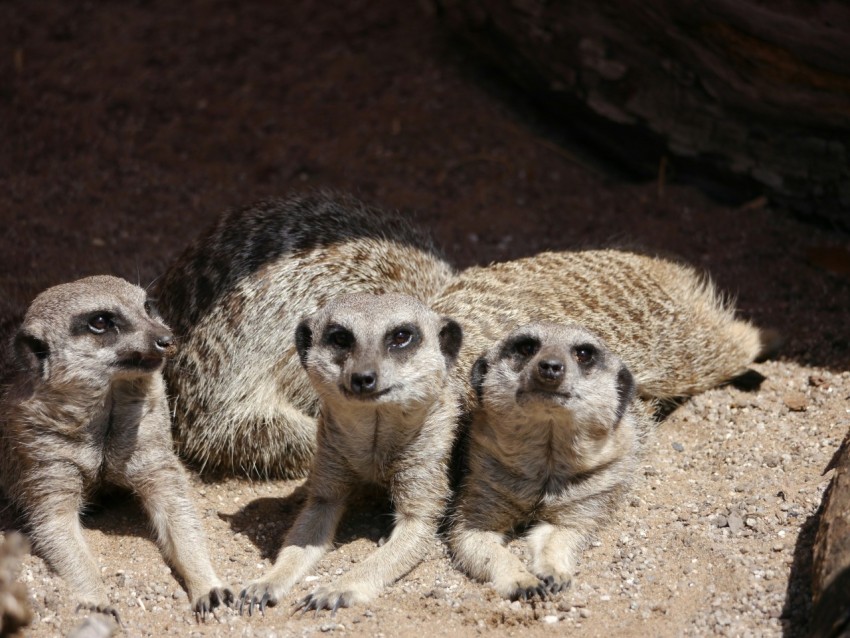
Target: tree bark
[
  {"x": 751, "y": 92},
  {"x": 831, "y": 560}
]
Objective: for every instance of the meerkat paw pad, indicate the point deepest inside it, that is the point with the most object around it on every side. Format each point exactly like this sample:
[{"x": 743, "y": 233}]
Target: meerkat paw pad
[
  {"x": 100, "y": 608},
  {"x": 555, "y": 584},
  {"x": 328, "y": 598},
  {"x": 216, "y": 597},
  {"x": 259, "y": 595}
]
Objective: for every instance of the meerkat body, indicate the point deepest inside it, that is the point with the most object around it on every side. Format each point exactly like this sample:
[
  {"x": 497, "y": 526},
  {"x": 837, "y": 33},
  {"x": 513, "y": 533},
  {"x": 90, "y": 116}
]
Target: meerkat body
[
  {"x": 388, "y": 416},
  {"x": 86, "y": 407},
  {"x": 243, "y": 403},
  {"x": 552, "y": 446},
  {"x": 671, "y": 327}
]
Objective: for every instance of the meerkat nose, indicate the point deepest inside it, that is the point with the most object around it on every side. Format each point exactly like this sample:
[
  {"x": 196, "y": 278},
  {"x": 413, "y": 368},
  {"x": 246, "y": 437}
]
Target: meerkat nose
[
  {"x": 550, "y": 370},
  {"x": 163, "y": 342},
  {"x": 363, "y": 382}
]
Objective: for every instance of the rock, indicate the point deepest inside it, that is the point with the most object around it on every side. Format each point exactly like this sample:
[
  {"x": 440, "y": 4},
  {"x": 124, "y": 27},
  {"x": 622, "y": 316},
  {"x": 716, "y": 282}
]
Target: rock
[{"x": 796, "y": 401}]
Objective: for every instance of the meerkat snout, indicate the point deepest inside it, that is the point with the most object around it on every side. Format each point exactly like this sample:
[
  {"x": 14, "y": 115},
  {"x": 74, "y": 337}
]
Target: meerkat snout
[{"x": 363, "y": 383}]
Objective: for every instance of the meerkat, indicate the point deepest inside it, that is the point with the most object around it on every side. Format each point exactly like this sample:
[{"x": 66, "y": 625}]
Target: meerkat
[
  {"x": 85, "y": 407},
  {"x": 552, "y": 446},
  {"x": 15, "y": 611},
  {"x": 382, "y": 365},
  {"x": 673, "y": 329},
  {"x": 242, "y": 402}
]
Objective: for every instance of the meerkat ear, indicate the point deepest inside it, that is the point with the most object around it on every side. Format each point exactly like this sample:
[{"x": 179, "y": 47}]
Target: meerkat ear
[
  {"x": 479, "y": 371},
  {"x": 303, "y": 341},
  {"x": 626, "y": 391},
  {"x": 451, "y": 337},
  {"x": 30, "y": 352}
]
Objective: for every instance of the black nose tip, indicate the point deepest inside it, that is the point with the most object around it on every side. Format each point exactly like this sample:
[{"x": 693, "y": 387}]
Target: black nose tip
[
  {"x": 551, "y": 369},
  {"x": 363, "y": 382},
  {"x": 163, "y": 342}
]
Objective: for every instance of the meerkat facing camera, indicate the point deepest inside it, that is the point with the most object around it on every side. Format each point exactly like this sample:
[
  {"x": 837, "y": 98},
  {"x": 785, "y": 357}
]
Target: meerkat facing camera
[
  {"x": 242, "y": 402},
  {"x": 85, "y": 407},
  {"x": 552, "y": 446},
  {"x": 381, "y": 365}
]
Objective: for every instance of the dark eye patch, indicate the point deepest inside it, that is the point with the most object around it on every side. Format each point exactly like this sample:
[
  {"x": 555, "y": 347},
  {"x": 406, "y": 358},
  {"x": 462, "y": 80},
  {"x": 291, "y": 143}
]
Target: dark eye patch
[
  {"x": 151, "y": 309},
  {"x": 523, "y": 347},
  {"x": 585, "y": 354},
  {"x": 402, "y": 337},
  {"x": 339, "y": 337}
]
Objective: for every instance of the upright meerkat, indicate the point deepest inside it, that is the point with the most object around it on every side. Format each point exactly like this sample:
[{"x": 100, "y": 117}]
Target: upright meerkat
[
  {"x": 242, "y": 402},
  {"x": 553, "y": 444},
  {"x": 674, "y": 331},
  {"x": 85, "y": 407},
  {"x": 389, "y": 411}
]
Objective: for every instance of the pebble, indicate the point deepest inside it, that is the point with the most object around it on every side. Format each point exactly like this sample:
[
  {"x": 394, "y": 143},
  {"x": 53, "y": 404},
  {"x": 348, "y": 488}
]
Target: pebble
[
  {"x": 736, "y": 523},
  {"x": 549, "y": 620},
  {"x": 796, "y": 401}
]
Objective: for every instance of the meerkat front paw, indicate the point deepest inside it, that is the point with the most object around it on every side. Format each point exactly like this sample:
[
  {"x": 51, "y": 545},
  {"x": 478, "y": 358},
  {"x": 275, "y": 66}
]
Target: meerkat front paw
[
  {"x": 100, "y": 608},
  {"x": 555, "y": 584},
  {"x": 522, "y": 586},
  {"x": 332, "y": 598},
  {"x": 215, "y": 597},
  {"x": 261, "y": 594}
]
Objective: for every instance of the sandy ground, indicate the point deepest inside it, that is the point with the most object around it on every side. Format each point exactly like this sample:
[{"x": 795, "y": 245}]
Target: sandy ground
[{"x": 127, "y": 127}]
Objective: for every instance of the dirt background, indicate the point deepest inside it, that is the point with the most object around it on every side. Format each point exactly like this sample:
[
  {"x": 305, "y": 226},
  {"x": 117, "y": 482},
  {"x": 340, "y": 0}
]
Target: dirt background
[{"x": 126, "y": 127}]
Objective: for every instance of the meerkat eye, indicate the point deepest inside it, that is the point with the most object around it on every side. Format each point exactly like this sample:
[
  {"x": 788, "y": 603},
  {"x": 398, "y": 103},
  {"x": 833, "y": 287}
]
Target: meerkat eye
[
  {"x": 340, "y": 338},
  {"x": 526, "y": 347},
  {"x": 150, "y": 308},
  {"x": 98, "y": 324},
  {"x": 585, "y": 354},
  {"x": 401, "y": 338}
]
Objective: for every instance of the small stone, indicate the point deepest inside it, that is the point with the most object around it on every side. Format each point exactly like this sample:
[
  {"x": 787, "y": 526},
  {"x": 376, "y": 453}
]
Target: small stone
[
  {"x": 750, "y": 522},
  {"x": 549, "y": 620},
  {"x": 721, "y": 521},
  {"x": 736, "y": 523},
  {"x": 796, "y": 401},
  {"x": 678, "y": 447},
  {"x": 584, "y": 612}
]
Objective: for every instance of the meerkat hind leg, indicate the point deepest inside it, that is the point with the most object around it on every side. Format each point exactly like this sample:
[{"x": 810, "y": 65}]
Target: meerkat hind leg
[
  {"x": 554, "y": 553},
  {"x": 484, "y": 556}
]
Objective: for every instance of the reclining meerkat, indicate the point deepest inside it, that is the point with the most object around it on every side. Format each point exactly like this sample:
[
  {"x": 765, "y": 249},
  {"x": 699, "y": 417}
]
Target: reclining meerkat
[
  {"x": 553, "y": 444},
  {"x": 242, "y": 402},
  {"x": 84, "y": 407},
  {"x": 382, "y": 365},
  {"x": 244, "y": 405},
  {"x": 669, "y": 324}
]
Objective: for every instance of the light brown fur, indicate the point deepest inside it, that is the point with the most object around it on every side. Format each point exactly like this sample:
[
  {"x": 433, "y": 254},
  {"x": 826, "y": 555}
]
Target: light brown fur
[
  {"x": 242, "y": 402},
  {"x": 552, "y": 446},
  {"x": 669, "y": 324},
  {"x": 388, "y": 415},
  {"x": 85, "y": 408}
]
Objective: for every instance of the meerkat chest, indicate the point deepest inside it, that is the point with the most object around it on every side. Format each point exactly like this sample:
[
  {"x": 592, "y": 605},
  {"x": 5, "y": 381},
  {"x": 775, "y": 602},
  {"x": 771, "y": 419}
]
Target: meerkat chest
[{"x": 373, "y": 443}]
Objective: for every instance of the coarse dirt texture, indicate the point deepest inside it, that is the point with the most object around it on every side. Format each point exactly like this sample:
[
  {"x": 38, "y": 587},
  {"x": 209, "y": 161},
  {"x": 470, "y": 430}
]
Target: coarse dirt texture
[{"x": 126, "y": 127}]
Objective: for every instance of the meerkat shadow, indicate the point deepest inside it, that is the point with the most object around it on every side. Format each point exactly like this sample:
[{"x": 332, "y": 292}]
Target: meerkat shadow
[
  {"x": 797, "y": 610},
  {"x": 265, "y": 521},
  {"x": 116, "y": 512}
]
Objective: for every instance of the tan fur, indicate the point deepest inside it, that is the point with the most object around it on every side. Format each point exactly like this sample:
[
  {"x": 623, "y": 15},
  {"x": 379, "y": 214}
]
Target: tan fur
[
  {"x": 552, "y": 446},
  {"x": 388, "y": 414},
  {"x": 86, "y": 407},
  {"x": 669, "y": 324},
  {"x": 242, "y": 402}
]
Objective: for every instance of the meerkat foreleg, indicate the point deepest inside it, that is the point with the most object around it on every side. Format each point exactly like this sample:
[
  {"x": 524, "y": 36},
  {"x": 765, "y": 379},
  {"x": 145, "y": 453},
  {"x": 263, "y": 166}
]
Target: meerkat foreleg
[
  {"x": 554, "y": 553},
  {"x": 179, "y": 535},
  {"x": 309, "y": 539},
  {"x": 483, "y": 555},
  {"x": 58, "y": 535},
  {"x": 397, "y": 556}
]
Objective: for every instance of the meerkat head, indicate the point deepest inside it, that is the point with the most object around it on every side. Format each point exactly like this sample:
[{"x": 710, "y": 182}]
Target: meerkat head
[
  {"x": 547, "y": 370},
  {"x": 94, "y": 328},
  {"x": 388, "y": 349}
]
